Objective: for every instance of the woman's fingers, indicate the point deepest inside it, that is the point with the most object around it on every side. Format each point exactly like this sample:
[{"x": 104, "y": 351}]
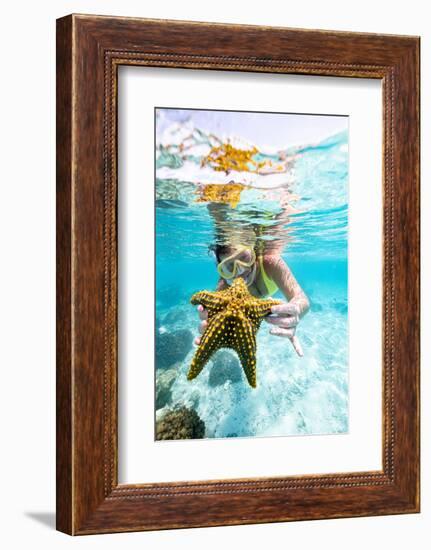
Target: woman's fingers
[
  {"x": 289, "y": 333},
  {"x": 203, "y": 316},
  {"x": 297, "y": 346},
  {"x": 202, "y": 328},
  {"x": 285, "y": 318},
  {"x": 285, "y": 310},
  {"x": 284, "y": 332},
  {"x": 203, "y": 313},
  {"x": 283, "y": 322}
]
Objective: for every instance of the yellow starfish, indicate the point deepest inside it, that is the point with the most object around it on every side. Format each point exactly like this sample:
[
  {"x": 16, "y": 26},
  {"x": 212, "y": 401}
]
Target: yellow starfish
[
  {"x": 227, "y": 193},
  {"x": 226, "y": 157},
  {"x": 234, "y": 317}
]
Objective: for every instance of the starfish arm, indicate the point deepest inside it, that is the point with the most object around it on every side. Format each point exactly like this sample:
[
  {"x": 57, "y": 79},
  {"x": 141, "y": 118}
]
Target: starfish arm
[
  {"x": 212, "y": 301},
  {"x": 245, "y": 347},
  {"x": 256, "y": 310},
  {"x": 212, "y": 340}
]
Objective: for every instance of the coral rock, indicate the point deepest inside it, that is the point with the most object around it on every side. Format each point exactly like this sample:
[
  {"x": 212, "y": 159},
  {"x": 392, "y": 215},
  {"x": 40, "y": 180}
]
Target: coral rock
[
  {"x": 225, "y": 367},
  {"x": 164, "y": 381},
  {"x": 181, "y": 423},
  {"x": 172, "y": 347}
]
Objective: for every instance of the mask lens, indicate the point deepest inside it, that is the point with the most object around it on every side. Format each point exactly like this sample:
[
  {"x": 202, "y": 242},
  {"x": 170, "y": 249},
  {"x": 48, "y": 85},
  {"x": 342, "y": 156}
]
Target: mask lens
[
  {"x": 236, "y": 264},
  {"x": 226, "y": 269}
]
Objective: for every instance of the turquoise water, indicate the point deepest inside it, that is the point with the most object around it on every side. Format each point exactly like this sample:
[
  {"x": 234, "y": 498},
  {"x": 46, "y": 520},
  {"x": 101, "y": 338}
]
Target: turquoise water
[{"x": 295, "y": 395}]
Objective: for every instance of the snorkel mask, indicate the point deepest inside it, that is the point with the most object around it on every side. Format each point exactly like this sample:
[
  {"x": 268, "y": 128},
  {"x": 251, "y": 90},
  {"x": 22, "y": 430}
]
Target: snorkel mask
[{"x": 232, "y": 266}]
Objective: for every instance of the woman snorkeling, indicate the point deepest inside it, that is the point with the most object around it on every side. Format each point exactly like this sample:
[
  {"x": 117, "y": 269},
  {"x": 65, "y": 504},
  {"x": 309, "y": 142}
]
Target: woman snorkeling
[{"x": 264, "y": 274}]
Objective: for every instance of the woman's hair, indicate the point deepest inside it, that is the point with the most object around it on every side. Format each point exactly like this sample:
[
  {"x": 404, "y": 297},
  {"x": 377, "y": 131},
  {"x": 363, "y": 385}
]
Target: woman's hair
[{"x": 221, "y": 250}]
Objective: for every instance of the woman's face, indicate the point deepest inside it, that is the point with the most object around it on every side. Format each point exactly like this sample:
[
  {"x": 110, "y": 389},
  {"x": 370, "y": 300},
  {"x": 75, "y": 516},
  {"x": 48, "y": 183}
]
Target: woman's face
[{"x": 238, "y": 263}]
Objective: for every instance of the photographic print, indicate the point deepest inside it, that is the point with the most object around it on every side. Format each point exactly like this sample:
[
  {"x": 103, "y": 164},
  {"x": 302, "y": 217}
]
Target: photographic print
[{"x": 251, "y": 308}]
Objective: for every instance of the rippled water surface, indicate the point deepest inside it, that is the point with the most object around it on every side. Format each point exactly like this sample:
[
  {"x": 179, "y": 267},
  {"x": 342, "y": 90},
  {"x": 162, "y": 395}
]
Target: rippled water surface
[{"x": 303, "y": 211}]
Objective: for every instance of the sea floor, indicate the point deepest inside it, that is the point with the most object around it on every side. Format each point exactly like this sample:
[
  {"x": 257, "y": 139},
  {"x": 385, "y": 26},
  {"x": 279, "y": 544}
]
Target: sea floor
[{"x": 294, "y": 395}]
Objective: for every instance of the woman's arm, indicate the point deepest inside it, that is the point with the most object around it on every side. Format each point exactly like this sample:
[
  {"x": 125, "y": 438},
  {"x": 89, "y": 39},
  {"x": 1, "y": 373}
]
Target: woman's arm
[
  {"x": 280, "y": 273},
  {"x": 285, "y": 317}
]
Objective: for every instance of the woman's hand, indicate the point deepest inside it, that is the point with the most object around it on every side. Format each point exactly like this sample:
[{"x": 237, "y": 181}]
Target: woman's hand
[
  {"x": 203, "y": 316},
  {"x": 285, "y": 318}
]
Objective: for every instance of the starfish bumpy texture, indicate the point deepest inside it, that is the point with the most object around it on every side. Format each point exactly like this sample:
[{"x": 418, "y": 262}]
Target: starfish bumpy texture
[
  {"x": 234, "y": 317},
  {"x": 224, "y": 193}
]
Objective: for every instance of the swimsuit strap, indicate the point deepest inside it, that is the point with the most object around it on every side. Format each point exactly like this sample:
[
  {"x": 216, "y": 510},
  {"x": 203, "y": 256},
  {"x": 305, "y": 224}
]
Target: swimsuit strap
[{"x": 271, "y": 286}]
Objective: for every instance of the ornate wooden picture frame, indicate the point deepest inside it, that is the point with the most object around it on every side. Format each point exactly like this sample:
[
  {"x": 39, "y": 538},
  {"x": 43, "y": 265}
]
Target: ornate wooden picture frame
[{"x": 89, "y": 51}]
